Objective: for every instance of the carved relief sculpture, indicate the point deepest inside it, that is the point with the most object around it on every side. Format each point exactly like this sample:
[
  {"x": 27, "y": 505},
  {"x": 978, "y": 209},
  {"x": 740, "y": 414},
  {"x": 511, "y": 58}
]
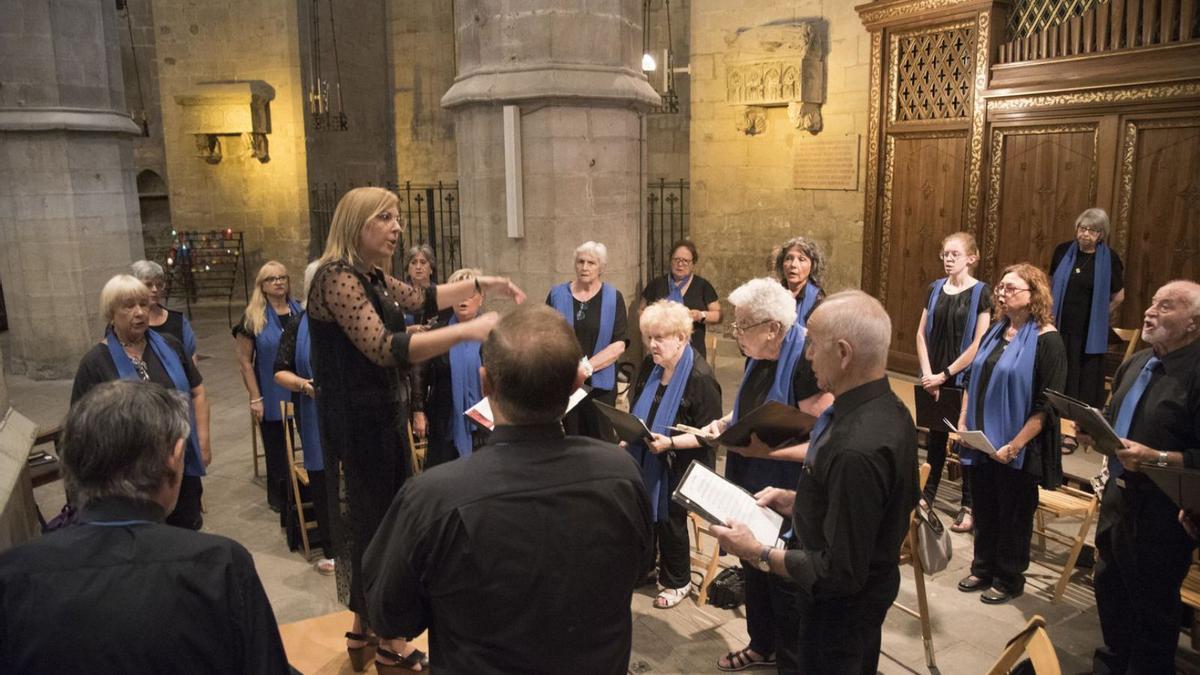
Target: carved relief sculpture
[{"x": 777, "y": 66}]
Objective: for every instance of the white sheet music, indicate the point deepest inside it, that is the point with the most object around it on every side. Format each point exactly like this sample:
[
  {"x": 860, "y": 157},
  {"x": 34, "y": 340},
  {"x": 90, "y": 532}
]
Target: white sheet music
[
  {"x": 974, "y": 439},
  {"x": 726, "y": 501},
  {"x": 482, "y": 412}
]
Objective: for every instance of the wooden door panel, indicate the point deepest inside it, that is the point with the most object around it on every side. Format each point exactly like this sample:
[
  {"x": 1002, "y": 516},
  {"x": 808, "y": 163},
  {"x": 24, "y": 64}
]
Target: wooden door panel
[
  {"x": 1043, "y": 178},
  {"x": 923, "y": 202},
  {"x": 1159, "y": 222}
]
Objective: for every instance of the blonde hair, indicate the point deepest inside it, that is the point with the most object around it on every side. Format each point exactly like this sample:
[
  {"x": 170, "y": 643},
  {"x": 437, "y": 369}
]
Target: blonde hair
[
  {"x": 353, "y": 211},
  {"x": 668, "y": 316},
  {"x": 968, "y": 242},
  {"x": 117, "y": 290},
  {"x": 256, "y": 310},
  {"x": 465, "y": 274}
]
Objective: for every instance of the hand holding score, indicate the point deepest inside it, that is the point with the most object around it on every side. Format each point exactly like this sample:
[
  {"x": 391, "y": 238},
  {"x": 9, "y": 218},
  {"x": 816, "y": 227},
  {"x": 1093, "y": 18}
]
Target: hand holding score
[{"x": 738, "y": 540}]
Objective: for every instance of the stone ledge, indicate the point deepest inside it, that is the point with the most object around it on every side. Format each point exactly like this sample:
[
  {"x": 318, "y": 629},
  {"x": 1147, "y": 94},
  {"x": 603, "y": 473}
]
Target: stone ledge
[
  {"x": 552, "y": 81},
  {"x": 67, "y": 119}
]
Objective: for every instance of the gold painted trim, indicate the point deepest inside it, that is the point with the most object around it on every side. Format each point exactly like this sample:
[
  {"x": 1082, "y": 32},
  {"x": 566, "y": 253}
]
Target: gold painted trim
[
  {"x": 894, "y": 65},
  {"x": 979, "y": 105},
  {"x": 909, "y": 9},
  {"x": 1122, "y": 95},
  {"x": 991, "y": 233},
  {"x": 871, "y": 213},
  {"x": 1128, "y": 160}
]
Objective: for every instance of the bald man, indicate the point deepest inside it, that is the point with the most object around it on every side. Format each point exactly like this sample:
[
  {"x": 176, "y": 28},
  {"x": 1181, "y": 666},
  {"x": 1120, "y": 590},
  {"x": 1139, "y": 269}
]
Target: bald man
[
  {"x": 1144, "y": 550},
  {"x": 851, "y": 507}
]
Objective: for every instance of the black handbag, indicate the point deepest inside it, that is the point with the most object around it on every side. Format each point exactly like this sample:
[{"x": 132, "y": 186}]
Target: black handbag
[{"x": 728, "y": 589}]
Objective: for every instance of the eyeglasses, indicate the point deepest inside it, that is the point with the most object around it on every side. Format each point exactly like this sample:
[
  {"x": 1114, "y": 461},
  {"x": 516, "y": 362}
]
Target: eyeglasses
[
  {"x": 681, "y": 261},
  {"x": 155, "y": 285},
  {"x": 951, "y": 255},
  {"x": 271, "y": 280},
  {"x": 387, "y": 216},
  {"x": 582, "y": 311},
  {"x": 1009, "y": 289},
  {"x": 1088, "y": 228},
  {"x": 741, "y": 330}
]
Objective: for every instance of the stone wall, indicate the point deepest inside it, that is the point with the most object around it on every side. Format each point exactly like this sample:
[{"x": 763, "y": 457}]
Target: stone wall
[
  {"x": 423, "y": 68},
  {"x": 222, "y": 41},
  {"x": 742, "y": 185},
  {"x": 667, "y": 141}
]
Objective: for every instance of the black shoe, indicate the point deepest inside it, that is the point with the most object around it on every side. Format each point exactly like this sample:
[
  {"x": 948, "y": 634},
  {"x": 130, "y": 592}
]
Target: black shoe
[
  {"x": 997, "y": 596},
  {"x": 972, "y": 583}
]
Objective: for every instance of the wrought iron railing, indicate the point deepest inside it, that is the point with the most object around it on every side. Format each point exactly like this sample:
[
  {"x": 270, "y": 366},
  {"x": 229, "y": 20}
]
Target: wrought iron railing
[{"x": 667, "y": 222}]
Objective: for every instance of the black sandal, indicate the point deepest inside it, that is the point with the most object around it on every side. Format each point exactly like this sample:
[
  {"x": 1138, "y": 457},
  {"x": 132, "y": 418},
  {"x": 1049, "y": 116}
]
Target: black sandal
[
  {"x": 360, "y": 657},
  {"x": 403, "y": 664},
  {"x": 740, "y": 660},
  {"x": 1069, "y": 445}
]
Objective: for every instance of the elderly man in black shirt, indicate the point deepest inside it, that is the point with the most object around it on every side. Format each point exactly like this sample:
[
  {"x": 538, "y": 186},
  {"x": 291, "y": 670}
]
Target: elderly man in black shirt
[
  {"x": 851, "y": 508},
  {"x": 120, "y": 591},
  {"x": 1144, "y": 550},
  {"x": 523, "y": 557}
]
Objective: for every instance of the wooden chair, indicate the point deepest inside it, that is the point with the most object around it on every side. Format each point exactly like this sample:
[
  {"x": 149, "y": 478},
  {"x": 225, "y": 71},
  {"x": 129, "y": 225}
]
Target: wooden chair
[
  {"x": 908, "y": 557},
  {"x": 711, "y": 562},
  {"x": 1064, "y": 502},
  {"x": 254, "y": 453},
  {"x": 1189, "y": 593},
  {"x": 297, "y": 473},
  {"x": 1131, "y": 337},
  {"x": 418, "y": 448},
  {"x": 1034, "y": 640},
  {"x": 710, "y": 346}
]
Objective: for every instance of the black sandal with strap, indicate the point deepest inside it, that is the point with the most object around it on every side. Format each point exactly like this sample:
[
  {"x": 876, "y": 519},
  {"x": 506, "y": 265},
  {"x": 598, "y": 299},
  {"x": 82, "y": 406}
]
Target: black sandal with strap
[
  {"x": 403, "y": 664},
  {"x": 361, "y": 657},
  {"x": 740, "y": 660}
]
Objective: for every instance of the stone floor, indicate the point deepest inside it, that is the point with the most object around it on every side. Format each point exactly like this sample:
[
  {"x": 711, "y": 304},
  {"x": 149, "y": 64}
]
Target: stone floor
[{"x": 967, "y": 635}]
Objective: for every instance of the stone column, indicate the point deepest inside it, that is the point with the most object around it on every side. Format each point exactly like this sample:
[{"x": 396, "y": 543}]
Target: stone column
[
  {"x": 68, "y": 201},
  {"x": 574, "y": 70}
]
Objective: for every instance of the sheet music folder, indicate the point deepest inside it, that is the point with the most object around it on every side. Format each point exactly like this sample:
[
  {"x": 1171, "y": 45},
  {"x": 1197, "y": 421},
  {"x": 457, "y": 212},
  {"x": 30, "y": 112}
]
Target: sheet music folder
[
  {"x": 1181, "y": 485},
  {"x": 1087, "y": 419},
  {"x": 718, "y": 501},
  {"x": 930, "y": 413},
  {"x": 630, "y": 428},
  {"x": 773, "y": 422}
]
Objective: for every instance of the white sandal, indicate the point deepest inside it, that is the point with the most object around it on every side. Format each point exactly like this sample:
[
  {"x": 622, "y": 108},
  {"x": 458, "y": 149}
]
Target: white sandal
[
  {"x": 669, "y": 597},
  {"x": 325, "y": 566}
]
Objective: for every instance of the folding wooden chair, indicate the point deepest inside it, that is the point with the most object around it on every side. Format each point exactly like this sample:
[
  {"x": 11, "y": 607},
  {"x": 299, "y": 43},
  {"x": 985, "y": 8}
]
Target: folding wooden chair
[
  {"x": 710, "y": 346},
  {"x": 1034, "y": 640},
  {"x": 254, "y": 453},
  {"x": 711, "y": 562},
  {"x": 1189, "y": 592},
  {"x": 908, "y": 556},
  {"x": 297, "y": 473},
  {"x": 1064, "y": 502},
  {"x": 418, "y": 448}
]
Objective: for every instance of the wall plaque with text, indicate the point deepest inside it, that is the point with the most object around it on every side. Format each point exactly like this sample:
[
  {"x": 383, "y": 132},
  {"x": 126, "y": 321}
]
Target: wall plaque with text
[{"x": 825, "y": 163}]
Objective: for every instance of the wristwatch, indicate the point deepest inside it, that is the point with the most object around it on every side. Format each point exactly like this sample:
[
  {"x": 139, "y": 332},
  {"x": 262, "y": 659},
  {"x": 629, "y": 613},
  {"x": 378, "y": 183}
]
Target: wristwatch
[
  {"x": 1162, "y": 458},
  {"x": 764, "y": 559}
]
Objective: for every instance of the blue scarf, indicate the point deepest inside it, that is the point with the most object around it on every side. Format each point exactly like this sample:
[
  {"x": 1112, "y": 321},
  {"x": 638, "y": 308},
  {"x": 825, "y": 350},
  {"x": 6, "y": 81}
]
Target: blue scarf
[
  {"x": 465, "y": 390},
  {"x": 1009, "y": 397},
  {"x": 189, "y": 338},
  {"x": 561, "y": 301},
  {"x": 674, "y": 290},
  {"x": 266, "y": 344},
  {"x": 1097, "y": 331},
  {"x": 753, "y": 473},
  {"x": 310, "y": 430},
  {"x": 972, "y": 316},
  {"x": 807, "y": 302},
  {"x": 654, "y": 467},
  {"x": 192, "y": 465}
]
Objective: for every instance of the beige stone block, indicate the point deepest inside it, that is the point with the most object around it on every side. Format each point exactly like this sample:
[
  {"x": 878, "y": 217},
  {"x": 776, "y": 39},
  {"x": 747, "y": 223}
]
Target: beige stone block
[{"x": 854, "y": 78}]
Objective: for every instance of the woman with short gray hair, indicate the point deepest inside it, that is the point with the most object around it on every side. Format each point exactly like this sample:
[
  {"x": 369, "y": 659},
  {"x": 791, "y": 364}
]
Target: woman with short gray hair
[
  {"x": 164, "y": 320},
  {"x": 1088, "y": 288}
]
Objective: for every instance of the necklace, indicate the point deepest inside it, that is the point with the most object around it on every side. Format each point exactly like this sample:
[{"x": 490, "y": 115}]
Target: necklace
[{"x": 136, "y": 359}]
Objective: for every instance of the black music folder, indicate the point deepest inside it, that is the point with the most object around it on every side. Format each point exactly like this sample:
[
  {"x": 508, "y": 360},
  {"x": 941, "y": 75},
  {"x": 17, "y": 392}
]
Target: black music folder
[
  {"x": 775, "y": 423},
  {"x": 1181, "y": 485},
  {"x": 1088, "y": 420},
  {"x": 630, "y": 428},
  {"x": 931, "y": 413}
]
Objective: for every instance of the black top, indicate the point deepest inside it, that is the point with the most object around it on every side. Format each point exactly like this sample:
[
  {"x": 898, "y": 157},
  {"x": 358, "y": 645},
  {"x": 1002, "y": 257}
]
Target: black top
[
  {"x": 1167, "y": 417},
  {"x": 521, "y": 558},
  {"x": 285, "y": 357},
  {"x": 433, "y": 394},
  {"x": 173, "y": 326},
  {"x": 97, "y": 366},
  {"x": 699, "y": 405},
  {"x": 853, "y": 503},
  {"x": 800, "y": 299},
  {"x": 1049, "y": 372},
  {"x": 134, "y": 598},
  {"x": 699, "y": 295},
  {"x": 1076, "y": 309},
  {"x": 587, "y": 328},
  {"x": 944, "y": 343},
  {"x": 239, "y": 328}
]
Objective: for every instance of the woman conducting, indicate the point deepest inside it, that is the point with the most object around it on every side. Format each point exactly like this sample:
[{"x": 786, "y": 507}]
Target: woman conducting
[
  {"x": 1021, "y": 356},
  {"x": 679, "y": 389},
  {"x": 362, "y": 356},
  {"x": 129, "y": 351}
]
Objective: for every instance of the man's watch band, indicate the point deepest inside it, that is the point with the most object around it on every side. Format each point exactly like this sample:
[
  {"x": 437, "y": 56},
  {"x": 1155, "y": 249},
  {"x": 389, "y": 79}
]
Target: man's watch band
[
  {"x": 1162, "y": 458},
  {"x": 764, "y": 559}
]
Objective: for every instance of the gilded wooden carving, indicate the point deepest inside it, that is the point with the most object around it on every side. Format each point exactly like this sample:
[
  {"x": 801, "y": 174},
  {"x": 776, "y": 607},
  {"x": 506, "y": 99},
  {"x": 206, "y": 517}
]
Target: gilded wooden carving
[
  {"x": 932, "y": 74},
  {"x": 871, "y": 212},
  {"x": 979, "y": 110},
  {"x": 896, "y": 11},
  {"x": 1128, "y": 169},
  {"x": 1122, "y": 95}
]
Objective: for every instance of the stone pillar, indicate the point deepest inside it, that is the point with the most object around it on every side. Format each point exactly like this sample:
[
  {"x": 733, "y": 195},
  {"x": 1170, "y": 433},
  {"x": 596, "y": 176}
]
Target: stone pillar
[
  {"x": 574, "y": 70},
  {"x": 68, "y": 202}
]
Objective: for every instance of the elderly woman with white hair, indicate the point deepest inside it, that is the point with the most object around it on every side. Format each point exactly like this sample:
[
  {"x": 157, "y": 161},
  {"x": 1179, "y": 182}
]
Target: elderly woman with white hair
[
  {"x": 1088, "y": 287},
  {"x": 769, "y": 333},
  {"x": 596, "y": 311},
  {"x": 164, "y": 320},
  {"x": 680, "y": 388},
  {"x": 130, "y": 351}
]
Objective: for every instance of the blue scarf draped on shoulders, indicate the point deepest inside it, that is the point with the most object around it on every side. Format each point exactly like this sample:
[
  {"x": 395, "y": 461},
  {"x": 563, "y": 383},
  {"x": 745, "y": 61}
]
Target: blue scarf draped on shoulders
[
  {"x": 1009, "y": 396},
  {"x": 806, "y": 303},
  {"x": 193, "y": 465},
  {"x": 465, "y": 390},
  {"x": 675, "y": 290},
  {"x": 1097, "y": 330},
  {"x": 562, "y": 302},
  {"x": 266, "y": 344},
  {"x": 310, "y": 429},
  {"x": 654, "y": 467},
  {"x": 972, "y": 317}
]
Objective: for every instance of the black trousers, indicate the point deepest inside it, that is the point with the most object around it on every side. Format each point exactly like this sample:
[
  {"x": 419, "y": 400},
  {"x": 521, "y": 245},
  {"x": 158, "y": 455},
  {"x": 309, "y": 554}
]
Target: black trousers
[
  {"x": 935, "y": 454},
  {"x": 1005, "y": 499},
  {"x": 1085, "y": 372},
  {"x": 187, "y": 509},
  {"x": 320, "y": 502},
  {"x": 773, "y": 617},
  {"x": 275, "y": 447},
  {"x": 843, "y": 635},
  {"x": 674, "y": 556},
  {"x": 1144, "y": 555}
]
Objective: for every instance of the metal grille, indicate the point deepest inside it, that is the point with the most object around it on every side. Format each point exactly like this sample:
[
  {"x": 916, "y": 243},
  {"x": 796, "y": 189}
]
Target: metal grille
[
  {"x": 1030, "y": 16},
  {"x": 667, "y": 222},
  {"x": 934, "y": 73}
]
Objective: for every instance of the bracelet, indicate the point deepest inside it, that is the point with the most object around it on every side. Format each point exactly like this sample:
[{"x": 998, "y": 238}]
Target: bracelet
[
  {"x": 672, "y": 442},
  {"x": 947, "y": 374},
  {"x": 256, "y": 400}
]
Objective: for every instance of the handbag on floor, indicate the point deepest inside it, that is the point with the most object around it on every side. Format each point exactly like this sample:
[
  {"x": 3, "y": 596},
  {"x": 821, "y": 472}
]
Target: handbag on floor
[
  {"x": 728, "y": 589},
  {"x": 933, "y": 541}
]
